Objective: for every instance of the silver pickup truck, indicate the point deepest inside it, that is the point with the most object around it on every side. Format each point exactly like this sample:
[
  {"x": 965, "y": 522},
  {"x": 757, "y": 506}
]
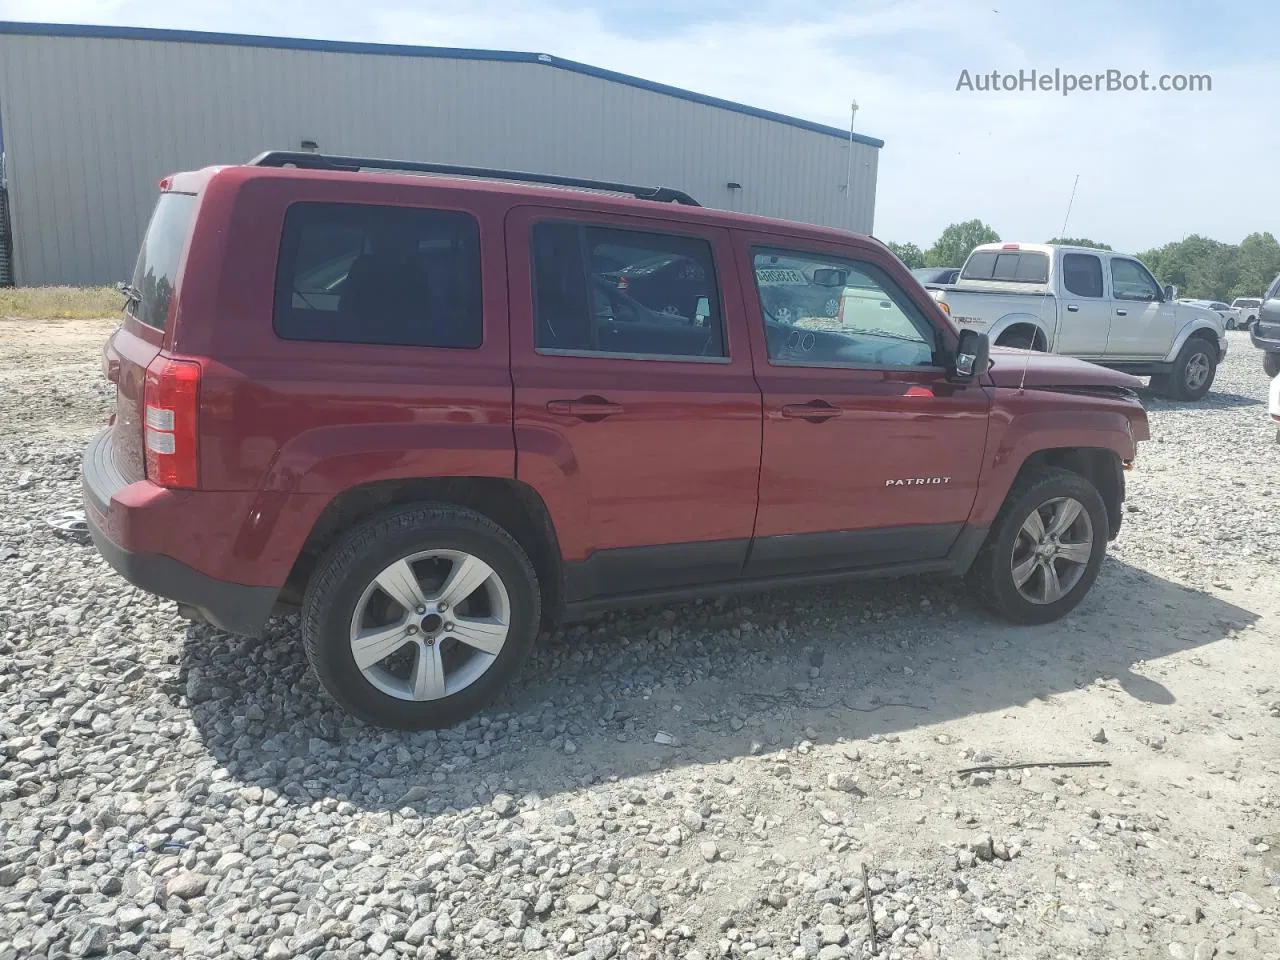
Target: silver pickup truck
[{"x": 1093, "y": 304}]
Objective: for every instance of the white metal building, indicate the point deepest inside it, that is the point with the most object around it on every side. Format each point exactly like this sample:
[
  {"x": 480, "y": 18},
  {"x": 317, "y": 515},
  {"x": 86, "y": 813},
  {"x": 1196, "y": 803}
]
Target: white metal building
[{"x": 92, "y": 117}]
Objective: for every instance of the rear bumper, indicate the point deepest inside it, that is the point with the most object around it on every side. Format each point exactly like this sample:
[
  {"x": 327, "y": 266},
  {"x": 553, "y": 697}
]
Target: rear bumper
[
  {"x": 112, "y": 509},
  {"x": 1267, "y": 338}
]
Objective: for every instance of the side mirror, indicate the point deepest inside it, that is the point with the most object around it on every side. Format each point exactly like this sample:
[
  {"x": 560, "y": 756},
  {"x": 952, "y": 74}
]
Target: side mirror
[
  {"x": 1170, "y": 292},
  {"x": 973, "y": 356},
  {"x": 827, "y": 277}
]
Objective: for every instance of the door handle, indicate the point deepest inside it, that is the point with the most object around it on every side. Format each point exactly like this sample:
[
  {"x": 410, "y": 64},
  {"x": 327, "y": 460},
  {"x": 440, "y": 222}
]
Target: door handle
[
  {"x": 815, "y": 411},
  {"x": 1073, "y": 308},
  {"x": 1122, "y": 313},
  {"x": 585, "y": 408}
]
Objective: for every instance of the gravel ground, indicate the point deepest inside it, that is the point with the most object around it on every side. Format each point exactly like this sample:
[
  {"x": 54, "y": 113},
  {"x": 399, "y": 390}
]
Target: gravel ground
[{"x": 738, "y": 779}]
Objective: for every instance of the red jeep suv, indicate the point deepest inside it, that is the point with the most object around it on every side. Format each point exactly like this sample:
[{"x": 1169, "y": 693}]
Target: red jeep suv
[{"x": 438, "y": 408}]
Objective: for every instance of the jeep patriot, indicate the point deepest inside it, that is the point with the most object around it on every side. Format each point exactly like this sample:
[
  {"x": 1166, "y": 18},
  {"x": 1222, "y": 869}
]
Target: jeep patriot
[{"x": 437, "y": 409}]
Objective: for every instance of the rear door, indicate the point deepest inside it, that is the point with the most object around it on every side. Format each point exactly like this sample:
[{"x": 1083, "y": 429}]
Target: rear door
[
  {"x": 1084, "y": 318},
  {"x": 139, "y": 338},
  {"x": 871, "y": 457},
  {"x": 1142, "y": 321},
  {"x": 637, "y": 415}
]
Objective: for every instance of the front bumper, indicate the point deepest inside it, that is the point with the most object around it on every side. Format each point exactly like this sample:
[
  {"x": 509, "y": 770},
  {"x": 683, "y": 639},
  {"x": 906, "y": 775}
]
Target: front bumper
[{"x": 232, "y": 606}]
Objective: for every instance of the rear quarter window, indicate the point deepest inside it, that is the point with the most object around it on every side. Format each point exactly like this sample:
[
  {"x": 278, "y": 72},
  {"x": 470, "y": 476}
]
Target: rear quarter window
[{"x": 360, "y": 273}]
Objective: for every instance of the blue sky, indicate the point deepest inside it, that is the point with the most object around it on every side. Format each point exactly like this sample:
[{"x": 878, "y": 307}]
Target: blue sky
[{"x": 1153, "y": 166}]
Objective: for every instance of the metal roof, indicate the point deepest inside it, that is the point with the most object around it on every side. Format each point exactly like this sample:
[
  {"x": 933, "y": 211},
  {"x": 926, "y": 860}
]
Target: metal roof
[{"x": 398, "y": 50}]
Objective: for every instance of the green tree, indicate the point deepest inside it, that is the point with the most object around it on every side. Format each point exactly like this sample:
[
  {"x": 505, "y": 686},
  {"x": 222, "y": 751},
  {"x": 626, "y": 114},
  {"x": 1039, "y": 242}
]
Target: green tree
[
  {"x": 908, "y": 253},
  {"x": 1258, "y": 264},
  {"x": 1078, "y": 242},
  {"x": 1200, "y": 268},
  {"x": 957, "y": 242}
]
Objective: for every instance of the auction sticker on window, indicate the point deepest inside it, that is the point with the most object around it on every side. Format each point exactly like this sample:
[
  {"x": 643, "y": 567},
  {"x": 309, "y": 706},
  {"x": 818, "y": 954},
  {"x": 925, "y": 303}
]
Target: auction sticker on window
[{"x": 778, "y": 277}]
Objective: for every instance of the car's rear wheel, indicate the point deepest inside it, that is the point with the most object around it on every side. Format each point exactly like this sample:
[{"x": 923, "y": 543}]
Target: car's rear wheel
[
  {"x": 1045, "y": 549},
  {"x": 1271, "y": 363},
  {"x": 1193, "y": 371},
  {"x": 1019, "y": 339},
  {"x": 418, "y": 617}
]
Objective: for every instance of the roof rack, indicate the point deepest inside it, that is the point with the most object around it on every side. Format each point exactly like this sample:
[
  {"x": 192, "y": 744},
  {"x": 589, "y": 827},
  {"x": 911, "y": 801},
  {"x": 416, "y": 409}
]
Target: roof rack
[{"x": 320, "y": 161}]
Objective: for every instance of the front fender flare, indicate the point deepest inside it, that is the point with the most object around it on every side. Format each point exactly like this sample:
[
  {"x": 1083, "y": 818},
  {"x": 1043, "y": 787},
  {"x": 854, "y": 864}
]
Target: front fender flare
[
  {"x": 1025, "y": 434},
  {"x": 1188, "y": 329}
]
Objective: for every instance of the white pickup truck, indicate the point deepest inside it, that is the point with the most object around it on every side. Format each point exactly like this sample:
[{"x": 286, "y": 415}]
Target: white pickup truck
[{"x": 1093, "y": 304}]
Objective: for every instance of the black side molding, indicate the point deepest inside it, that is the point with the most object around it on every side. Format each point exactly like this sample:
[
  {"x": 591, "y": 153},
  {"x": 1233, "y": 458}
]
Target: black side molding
[{"x": 957, "y": 561}]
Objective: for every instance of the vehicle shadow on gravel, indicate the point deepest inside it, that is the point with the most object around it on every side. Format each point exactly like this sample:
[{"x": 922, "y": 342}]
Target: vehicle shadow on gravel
[{"x": 718, "y": 680}]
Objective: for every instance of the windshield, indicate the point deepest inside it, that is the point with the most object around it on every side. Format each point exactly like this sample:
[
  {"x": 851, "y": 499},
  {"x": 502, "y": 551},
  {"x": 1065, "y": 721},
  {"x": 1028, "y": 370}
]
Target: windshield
[
  {"x": 156, "y": 273},
  {"x": 1246, "y": 303}
]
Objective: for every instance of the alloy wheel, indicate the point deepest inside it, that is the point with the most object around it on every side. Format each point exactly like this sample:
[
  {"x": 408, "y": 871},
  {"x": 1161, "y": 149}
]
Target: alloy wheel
[
  {"x": 1197, "y": 371},
  {"x": 1052, "y": 550},
  {"x": 430, "y": 624}
]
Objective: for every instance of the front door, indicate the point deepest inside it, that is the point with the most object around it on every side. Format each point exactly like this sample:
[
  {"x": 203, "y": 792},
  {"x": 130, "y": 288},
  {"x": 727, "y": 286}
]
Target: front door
[
  {"x": 1142, "y": 321},
  {"x": 637, "y": 415},
  {"x": 1084, "y": 314},
  {"x": 870, "y": 456}
]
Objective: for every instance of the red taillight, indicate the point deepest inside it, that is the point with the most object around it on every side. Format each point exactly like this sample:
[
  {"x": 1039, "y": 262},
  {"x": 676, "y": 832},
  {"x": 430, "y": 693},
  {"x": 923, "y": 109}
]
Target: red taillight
[
  {"x": 166, "y": 183},
  {"x": 171, "y": 421},
  {"x": 1011, "y": 246}
]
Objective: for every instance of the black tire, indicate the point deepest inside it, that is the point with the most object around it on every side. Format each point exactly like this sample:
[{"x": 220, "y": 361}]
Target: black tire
[
  {"x": 350, "y": 565},
  {"x": 991, "y": 575},
  {"x": 1182, "y": 385},
  {"x": 1271, "y": 363},
  {"x": 1020, "y": 340}
]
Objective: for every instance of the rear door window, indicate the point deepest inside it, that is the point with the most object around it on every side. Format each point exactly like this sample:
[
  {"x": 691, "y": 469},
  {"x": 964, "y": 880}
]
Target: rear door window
[
  {"x": 156, "y": 273},
  {"x": 625, "y": 293},
  {"x": 359, "y": 273},
  {"x": 1082, "y": 274}
]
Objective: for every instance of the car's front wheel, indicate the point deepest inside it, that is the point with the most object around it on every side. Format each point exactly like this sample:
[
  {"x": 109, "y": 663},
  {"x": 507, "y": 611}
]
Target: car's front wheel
[
  {"x": 418, "y": 617},
  {"x": 1045, "y": 549},
  {"x": 1193, "y": 371}
]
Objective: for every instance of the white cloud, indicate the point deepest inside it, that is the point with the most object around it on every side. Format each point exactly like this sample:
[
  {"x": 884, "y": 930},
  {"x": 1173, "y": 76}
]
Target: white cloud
[{"x": 1153, "y": 166}]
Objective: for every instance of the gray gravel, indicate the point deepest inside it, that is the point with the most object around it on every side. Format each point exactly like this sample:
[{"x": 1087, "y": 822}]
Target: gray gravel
[{"x": 701, "y": 781}]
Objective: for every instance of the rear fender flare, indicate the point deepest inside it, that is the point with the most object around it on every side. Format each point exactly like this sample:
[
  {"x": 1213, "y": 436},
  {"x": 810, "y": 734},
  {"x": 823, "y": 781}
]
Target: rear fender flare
[
  {"x": 1019, "y": 319},
  {"x": 320, "y": 464}
]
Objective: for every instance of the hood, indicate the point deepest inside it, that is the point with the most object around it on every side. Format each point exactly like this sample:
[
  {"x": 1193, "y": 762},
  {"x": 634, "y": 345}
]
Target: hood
[{"x": 1049, "y": 370}]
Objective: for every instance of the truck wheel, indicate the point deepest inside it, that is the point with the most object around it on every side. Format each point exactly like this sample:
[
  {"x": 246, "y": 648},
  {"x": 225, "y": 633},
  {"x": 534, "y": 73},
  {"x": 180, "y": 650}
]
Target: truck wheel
[
  {"x": 1045, "y": 548},
  {"x": 1271, "y": 363},
  {"x": 1193, "y": 371},
  {"x": 416, "y": 618}
]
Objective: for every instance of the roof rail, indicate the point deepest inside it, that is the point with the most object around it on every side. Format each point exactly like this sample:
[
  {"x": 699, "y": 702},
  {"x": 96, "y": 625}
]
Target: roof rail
[{"x": 320, "y": 161}]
